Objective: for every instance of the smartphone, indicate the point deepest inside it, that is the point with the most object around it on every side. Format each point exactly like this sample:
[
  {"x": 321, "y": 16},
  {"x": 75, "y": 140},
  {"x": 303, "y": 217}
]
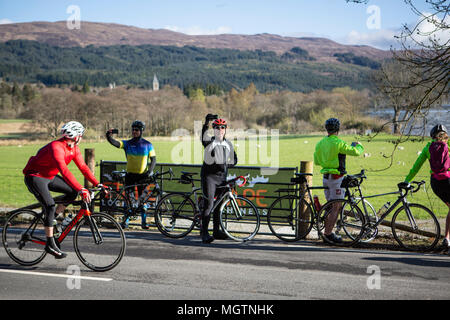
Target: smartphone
[{"x": 115, "y": 131}]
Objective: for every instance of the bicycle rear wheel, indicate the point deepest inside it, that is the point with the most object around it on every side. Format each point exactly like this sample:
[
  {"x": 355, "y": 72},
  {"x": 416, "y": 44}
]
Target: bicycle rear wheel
[
  {"x": 418, "y": 231},
  {"x": 344, "y": 219},
  {"x": 24, "y": 237},
  {"x": 99, "y": 242},
  {"x": 290, "y": 218},
  {"x": 174, "y": 215},
  {"x": 243, "y": 225}
]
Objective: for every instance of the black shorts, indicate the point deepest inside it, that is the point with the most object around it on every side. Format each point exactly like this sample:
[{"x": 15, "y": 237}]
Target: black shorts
[
  {"x": 41, "y": 187},
  {"x": 441, "y": 188}
]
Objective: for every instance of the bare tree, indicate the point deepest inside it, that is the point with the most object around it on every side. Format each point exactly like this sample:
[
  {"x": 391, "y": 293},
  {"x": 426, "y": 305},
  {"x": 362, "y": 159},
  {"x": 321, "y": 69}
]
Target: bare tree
[{"x": 425, "y": 52}]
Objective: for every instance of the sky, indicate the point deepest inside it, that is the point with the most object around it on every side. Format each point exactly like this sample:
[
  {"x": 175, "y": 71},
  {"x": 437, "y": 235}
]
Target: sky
[{"x": 374, "y": 23}]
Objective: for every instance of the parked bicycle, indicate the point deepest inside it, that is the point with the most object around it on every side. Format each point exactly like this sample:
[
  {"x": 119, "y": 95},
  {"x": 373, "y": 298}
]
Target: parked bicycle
[
  {"x": 291, "y": 217},
  {"x": 98, "y": 240},
  {"x": 126, "y": 201},
  {"x": 178, "y": 213},
  {"x": 414, "y": 226}
]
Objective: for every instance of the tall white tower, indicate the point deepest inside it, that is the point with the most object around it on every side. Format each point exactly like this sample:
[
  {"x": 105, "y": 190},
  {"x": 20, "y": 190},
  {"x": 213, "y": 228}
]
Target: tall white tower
[{"x": 155, "y": 83}]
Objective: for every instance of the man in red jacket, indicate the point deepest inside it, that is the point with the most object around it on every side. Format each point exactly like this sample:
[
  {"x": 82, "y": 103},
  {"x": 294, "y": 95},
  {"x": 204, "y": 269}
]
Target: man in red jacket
[{"x": 41, "y": 177}]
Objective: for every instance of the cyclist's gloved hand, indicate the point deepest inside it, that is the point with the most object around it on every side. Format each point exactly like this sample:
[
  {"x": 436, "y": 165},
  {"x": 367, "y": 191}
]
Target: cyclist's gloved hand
[
  {"x": 210, "y": 117},
  {"x": 85, "y": 195}
]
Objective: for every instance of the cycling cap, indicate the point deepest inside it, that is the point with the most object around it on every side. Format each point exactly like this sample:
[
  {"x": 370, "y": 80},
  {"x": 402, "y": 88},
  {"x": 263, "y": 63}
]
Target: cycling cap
[
  {"x": 138, "y": 124},
  {"x": 436, "y": 129},
  {"x": 219, "y": 122},
  {"x": 332, "y": 125},
  {"x": 72, "y": 130}
]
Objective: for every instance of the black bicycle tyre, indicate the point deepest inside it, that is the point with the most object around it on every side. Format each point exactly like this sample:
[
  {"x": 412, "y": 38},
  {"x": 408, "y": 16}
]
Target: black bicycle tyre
[
  {"x": 291, "y": 220},
  {"x": 10, "y": 250},
  {"x": 432, "y": 218},
  {"x": 112, "y": 226},
  {"x": 161, "y": 211},
  {"x": 224, "y": 222},
  {"x": 358, "y": 217}
]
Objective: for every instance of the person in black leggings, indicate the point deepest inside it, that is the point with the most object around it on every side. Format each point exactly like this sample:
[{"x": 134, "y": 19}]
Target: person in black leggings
[{"x": 219, "y": 155}]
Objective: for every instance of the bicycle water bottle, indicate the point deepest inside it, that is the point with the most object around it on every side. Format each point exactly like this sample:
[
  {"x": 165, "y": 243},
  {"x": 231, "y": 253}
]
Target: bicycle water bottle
[
  {"x": 57, "y": 230},
  {"x": 384, "y": 208},
  {"x": 317, "y": 204},
  {"x": 66, "y": 221}
]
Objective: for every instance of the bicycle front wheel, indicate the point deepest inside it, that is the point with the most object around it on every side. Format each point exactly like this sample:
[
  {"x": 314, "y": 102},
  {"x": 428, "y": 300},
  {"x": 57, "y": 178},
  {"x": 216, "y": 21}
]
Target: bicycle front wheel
[
  {"x": 415, "y": 228},
  {"x": 240, "y": 223},
  {"x": 24, "y": 237},
  {"x": 343, "y": 219},
  {"x": 290, "y": 218},
  {"x": 99, "y": 242},
  {"x": 174, "y": 215}
]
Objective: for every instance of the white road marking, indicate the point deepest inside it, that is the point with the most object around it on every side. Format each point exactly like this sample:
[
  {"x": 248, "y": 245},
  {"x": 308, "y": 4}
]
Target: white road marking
[{"x": 56, "y": 275}]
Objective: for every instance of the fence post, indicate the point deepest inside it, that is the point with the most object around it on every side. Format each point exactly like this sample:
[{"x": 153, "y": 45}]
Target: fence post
[
  {"x": 89, "y": 158},
  {"x": 305, "y": 215}
]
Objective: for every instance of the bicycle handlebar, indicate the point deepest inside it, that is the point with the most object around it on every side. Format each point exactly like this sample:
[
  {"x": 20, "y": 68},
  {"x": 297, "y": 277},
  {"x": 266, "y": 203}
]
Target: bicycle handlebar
[
  {"x": 232, "y": 181},
  {"x": 409, "y": 187}
]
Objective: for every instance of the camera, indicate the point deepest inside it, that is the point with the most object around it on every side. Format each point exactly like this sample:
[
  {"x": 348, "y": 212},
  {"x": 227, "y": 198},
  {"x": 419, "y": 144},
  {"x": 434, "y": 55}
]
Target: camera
[{"x": 115, "y": 131}]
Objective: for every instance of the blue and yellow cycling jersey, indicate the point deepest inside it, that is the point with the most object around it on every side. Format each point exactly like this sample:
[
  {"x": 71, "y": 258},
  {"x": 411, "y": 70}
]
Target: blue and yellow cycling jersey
[{"x": 137, "y": 151}]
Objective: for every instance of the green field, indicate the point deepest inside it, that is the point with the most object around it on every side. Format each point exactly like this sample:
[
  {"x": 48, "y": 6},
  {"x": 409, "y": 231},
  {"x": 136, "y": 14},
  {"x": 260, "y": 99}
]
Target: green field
[{"x": 292, "y": 150}]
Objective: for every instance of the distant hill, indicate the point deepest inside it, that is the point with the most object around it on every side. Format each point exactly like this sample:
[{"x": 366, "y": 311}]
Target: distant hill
[{"x": 108, "y": 34}]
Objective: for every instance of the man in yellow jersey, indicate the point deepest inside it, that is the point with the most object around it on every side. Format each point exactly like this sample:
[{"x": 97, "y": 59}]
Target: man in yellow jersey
[
  {"x": 139, "y": 153},
  {"x": 330, "y": 154}
]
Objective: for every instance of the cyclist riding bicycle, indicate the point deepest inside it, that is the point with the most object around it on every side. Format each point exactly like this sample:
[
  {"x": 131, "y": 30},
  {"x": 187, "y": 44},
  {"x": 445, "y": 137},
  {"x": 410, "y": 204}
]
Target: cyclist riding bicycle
[
  {"x": 330, "y": 154},
  {"x": 141, "y": 160},
  {"x": 219, "y": 155},
  {"x": 41, "y": 177},
  {"x": 437, "y": 152}
]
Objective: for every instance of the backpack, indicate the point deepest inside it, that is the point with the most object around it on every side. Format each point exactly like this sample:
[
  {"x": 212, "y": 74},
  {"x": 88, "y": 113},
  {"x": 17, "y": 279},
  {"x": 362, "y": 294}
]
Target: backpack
[{"x": 439, "y": 157}]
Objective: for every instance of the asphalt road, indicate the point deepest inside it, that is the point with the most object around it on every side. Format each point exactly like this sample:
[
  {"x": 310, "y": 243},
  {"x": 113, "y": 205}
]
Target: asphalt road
[{"x": 156, "y": 267}]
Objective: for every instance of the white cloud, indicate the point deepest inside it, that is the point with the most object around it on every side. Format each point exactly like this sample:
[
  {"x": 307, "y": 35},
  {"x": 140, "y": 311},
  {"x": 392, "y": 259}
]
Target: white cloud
[
  {"x": 382, "y": 39},
  {"x": 385, "y": 38},
  {"x": 197, "y": 30},
  {"x": 426, "y": 29},
  {"x": 5, "y": 21}
]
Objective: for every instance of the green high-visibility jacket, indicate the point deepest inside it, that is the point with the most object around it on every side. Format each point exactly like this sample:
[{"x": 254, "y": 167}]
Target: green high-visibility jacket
[
  {"x": 328, "y": 150},
  {"x": 424, "y": 155}
]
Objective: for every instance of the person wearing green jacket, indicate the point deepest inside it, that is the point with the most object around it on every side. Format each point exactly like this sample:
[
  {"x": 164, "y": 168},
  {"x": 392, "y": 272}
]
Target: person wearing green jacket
[
  {"x": 437, "y": 153},
  {"x": 330, "y": 154}
]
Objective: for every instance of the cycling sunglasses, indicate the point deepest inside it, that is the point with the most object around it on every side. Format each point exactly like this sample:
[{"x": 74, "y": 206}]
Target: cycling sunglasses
[{"x": 220, "y": 127}]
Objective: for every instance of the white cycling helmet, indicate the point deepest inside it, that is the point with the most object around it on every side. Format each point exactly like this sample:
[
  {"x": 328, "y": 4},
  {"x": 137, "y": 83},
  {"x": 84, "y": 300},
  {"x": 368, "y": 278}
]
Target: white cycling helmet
[{"x": 72, "y": 130}]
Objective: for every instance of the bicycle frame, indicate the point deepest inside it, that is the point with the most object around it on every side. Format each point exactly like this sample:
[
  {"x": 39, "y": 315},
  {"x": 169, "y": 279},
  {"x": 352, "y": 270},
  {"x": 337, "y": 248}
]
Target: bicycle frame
[
  {"x": 401, "y": 199},
  {"x": 81, "y": 213}
]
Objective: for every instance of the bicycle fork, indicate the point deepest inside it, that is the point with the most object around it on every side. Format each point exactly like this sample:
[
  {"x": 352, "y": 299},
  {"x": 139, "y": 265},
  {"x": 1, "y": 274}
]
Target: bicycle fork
[
  {"x": 98, "y": 239},
  {"x": 235, "y": 205}
]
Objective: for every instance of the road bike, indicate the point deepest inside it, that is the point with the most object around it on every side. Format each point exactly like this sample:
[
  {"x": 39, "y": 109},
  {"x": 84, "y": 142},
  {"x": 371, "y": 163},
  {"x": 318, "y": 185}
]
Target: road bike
[
  {"x": 127, "y": 202},
  {"x": 178, "y": 213},
  {"x": 414, "y": 226},
  {"x": 98, "y": 239},
  {"x": 291, "y": 217}
]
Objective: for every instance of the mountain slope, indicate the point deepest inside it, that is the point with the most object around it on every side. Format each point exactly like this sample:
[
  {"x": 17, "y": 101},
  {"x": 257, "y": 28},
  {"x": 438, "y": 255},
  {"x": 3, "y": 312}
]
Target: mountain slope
[{"x": 107, "y": 34}]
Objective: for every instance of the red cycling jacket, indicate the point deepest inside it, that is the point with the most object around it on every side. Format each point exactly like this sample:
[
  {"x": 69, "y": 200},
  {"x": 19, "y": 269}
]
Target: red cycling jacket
[{"x": 54, "y": 158}]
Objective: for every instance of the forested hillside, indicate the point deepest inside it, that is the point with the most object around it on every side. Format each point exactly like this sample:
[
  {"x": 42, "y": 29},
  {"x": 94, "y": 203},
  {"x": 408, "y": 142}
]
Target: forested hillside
[{"x": 31, "y": 61}]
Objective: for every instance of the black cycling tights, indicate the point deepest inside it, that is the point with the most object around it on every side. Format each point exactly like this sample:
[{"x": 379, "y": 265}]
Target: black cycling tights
[
  {"x": 41, "y": 187},
  {"x": 210, "y": 183}
]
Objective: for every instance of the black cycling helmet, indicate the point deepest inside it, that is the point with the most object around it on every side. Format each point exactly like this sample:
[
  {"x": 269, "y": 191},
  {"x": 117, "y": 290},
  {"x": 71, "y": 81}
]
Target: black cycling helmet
[
  {"x": 436, "y": 129},
  {"x": 332, "y": 125},
  {"x": 138, "y": 124}
]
